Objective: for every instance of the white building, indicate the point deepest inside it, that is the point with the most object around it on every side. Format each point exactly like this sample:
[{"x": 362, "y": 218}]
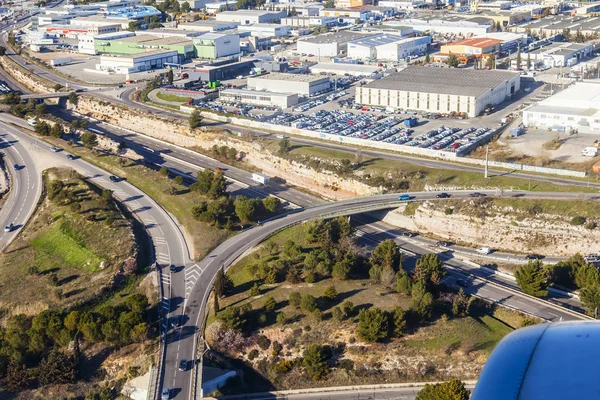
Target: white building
[
  {"x": 216, "y": 45},
  {"x": 403, "y": 5},
  {"x": 305, "y": 22},
  {"x": 577, "y": 108},
  {"x": 387, "y": 47},
  {"x": 259, "y": 98},
  {"x": 213, "y": 8},
  {"x": 86, "y": 42},
  {"x": 266, "y": 30},
  {"x": 194, "y": 4},
  {"x": 304, "y": 85},
  {"x": 343, "y": 69},
  {"x": 560, "y": 54},
  {"x": 208, "y": 25},
  {"x": 126, "y": 64},
  {"x": 442, "y": 26},
  {"x": 246, "y": 17},
  {"x": 329, "y": 44},
  {"x": 440, "y": 90}
]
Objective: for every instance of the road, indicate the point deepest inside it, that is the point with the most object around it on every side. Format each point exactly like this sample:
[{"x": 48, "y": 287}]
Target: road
[
  {"x": 26, "y": 186},
  {"x": 169, "y": 244},
  {"x": 191, "y": 287}
]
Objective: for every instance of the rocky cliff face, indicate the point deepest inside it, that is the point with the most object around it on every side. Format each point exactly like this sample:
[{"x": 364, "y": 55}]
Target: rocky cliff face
[{"x": 501, "y": 228}]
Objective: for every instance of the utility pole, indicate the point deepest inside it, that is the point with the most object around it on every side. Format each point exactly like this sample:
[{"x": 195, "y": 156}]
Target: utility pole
[{"x": 487, "y": 150}]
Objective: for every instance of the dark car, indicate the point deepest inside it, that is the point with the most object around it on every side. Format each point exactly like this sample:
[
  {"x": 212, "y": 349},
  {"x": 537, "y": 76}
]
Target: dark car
[
  {"x": 408, "y": 234},
  {"x": 173, "y": 268},
  {"x": 461, "y": 283},
  {"x": 70, "y": 156},
  {"x": 476, "y": 194},
  {"x": 442, "y": 195},
  {"x": 443, "y": 243},
  {"x": 534, "y": 256},
  {"x": 113, "y": 178},
  {"x": 183, "y": 364}
]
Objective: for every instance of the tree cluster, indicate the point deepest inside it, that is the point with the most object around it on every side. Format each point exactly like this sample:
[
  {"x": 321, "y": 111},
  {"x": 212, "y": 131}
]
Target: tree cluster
[{"x": 35, "y": 349}]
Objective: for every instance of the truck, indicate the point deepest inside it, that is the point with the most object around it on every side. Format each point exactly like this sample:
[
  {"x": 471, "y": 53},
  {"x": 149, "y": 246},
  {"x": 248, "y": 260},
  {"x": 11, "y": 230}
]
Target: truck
[
  {"x": 410, "y": 122},
  {"x": 60, "y": 61},
  {"x": 260, "y": 178}
]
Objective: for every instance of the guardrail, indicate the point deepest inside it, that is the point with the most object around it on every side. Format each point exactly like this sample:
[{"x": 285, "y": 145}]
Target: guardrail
[{"x": 154, "y": 383}]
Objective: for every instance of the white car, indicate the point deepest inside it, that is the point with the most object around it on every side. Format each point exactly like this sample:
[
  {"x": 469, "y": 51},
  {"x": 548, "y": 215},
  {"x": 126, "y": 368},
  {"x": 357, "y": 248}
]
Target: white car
[
  {"x": 484, "y": 250},
  {"x": 8, "y": 227},
  {"x": 165, "y": 395}
]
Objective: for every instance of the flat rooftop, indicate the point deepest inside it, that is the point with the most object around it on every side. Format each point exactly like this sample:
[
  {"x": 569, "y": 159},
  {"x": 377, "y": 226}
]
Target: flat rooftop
[
  {"x": 560, "y": 22},
  {"x": 443, "y": 80},
  {"x": 340, "y": 67},
  {"x": 140, "y": 55},
  {"x": 248, "y": 91},
  {"x": 249, "y": 12},
  {"x": 337, "y": 37},
  {"x": 583, "y": 99},
  {"x": 479, "y": 42},
  {"x": 377, "y": 40},
  {"x": 150, "y": 39},
  {"x": 276, "y": 76}
]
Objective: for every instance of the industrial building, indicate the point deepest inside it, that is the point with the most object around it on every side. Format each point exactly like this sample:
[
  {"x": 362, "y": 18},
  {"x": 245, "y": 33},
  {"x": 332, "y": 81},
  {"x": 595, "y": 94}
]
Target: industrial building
[
  {"x": 303, "y": 85},
  {"x": 407, "y": 5},
  {"x": 352, "y": 3},
  {"x": 246, "y": 17},
  {"x": 220, "y": 70},
  {"x": 265, "y": 30},
  {"x": 588, "y": 8},
  {"x": 74, "y": 31},
  {"x": 509, "y": 40},
  {"x": 269, "y": 99},
  {"x": 387, "y": 47},
  {"x": 361, "y": 14},
  {"x": 343, "y": 69},
  {"x": 555, "y": 24},
  {"x": 308, "y": 21},
  {"x": 390, "y": 27},
  {"x": 208, "y": 25},
  {"x": 194, "y": 4},
  {"x": 472, "y": 47},
  {"x": 142, "y": 43},
  {"x": 450, "y": 25},
  {"x": 560, "y": 54},
  {"x": 129, "y": 63},
  {"x": 212, "y": 46},
  {"x": 329, "y": 44},
  {"x": 576, "y": 108},
  {"x": 440, "y": 90}
]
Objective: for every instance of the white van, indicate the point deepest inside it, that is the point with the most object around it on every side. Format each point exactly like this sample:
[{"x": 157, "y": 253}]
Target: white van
[
  {"x": 484, "y": 250},
  {"x": 590, "y": 151},
  {"x": 32, "y": 121}
]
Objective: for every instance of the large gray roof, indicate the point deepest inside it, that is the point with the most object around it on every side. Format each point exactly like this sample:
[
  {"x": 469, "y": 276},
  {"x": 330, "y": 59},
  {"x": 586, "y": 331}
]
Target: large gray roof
[
  {"x": 464, "y": 82},
  {"x": 545, "y": 361}
]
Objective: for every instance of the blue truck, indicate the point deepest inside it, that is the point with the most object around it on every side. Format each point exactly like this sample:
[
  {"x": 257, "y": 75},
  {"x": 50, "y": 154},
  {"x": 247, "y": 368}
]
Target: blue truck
[{"x": 410, "y": 122}]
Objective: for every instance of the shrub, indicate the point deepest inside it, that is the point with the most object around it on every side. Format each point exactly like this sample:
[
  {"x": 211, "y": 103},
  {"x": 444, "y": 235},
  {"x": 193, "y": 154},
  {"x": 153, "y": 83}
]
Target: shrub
[
  {"x": 281, "y": 318},
  {"x": 178, "y": 180},
  {"x": 317, "y": 315},
  {"x": 262, "y": 319},
  {"x": 308, "y": 303},
  {"x": 337, "y": 314},
  {"x": 277, "y": 347},
  {"x": 330, "y": 293},
  {"x": 295, "y": 299},
  {"x": 270, "y": 304},
  {"x": 263, "y": 342},
  {"x": 253, "y": 354},
  {"x": 285, "y": 366},
  {"x": 448, "y": 210},
  {"x": 164, "y": 171},
  {"x": 346, "y": 364},
  {"x": 310, "y": 277},
  {"x": 579, "y": 220},
  {"x": 590, "y": 225},
  {"x": 255, "y": 290}
]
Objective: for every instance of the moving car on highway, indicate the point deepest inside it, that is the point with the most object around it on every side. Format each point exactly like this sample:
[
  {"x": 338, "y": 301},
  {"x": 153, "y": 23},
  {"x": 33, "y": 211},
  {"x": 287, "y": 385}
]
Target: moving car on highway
[
  {"x": 484, "y": 250},
  {"x": 442, "y": 195},
  {"x": 9, "y": 227},
  {"x": 404, "y": 197}
]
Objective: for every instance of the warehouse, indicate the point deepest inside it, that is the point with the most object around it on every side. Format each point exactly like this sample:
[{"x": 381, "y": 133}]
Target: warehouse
[
  {"x": 305, "y": 22},
  {"x": 129, "y": 63},
  {"x": 269, "y": 99},
  {"x": 450, "y": 25},
  {"x": 141, "y": 43},
  {"x": 329, "y": 44},
  {"x": 555, "y": 24},
  {"x": 245, "y": 17},
  {"x": 208, "y": 25},
  {"x": 303, "y": 85},
  {"x": 265, "y": 30},
  {"x": 343, "y": 69},
  {"x": 575, "y": 108},
  {"x": 440, "y": 90},
  {"x": 212, "y": 46},
  {"x": 387, "y": 47},
  {"x": 560, "y": 54}
]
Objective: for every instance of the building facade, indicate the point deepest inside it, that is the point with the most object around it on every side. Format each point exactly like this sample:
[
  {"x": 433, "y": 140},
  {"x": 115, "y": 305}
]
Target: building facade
[
  {"x": 303, "y": 85},
  {"x": 269, "y": 99},
  {"x": 130, "y": 63}
]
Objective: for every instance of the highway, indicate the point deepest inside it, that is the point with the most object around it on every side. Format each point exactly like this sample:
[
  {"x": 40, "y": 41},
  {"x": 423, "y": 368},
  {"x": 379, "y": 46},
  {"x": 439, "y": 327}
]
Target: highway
[
  {"x": 189, "y": 288},
  {"x": 26, "y": 186}
]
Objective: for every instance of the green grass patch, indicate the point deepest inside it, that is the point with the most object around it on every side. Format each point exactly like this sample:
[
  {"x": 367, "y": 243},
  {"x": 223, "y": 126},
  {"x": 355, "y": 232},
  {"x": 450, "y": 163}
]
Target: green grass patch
[
  {"x": 56, "y": 246},
  {"x": 172, "y": 97}
]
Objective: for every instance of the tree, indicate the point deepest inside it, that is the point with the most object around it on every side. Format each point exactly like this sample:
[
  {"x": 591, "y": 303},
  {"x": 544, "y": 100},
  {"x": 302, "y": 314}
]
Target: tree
[
  {"x": 134, "y": 26},
  {"x": 427, "y": 57},
  {"x": 233, "y": 318},
  {"x": 490, "y": 63},
  {"x": 386, "y": 254},
  {"x": 195, "y": 119},
  {"x": 308, "y": 303},
  {"x": 170, "y": 76},
  {"x": 313, "y": 359},
  {"x": 341, "y": 269},
  {"x": 532, "y": 279},
  {"x": 329, "y": 4},
  {"x": 57, "y": 87},
  {"x": 330, "y": 293},
  {"x": 421, "y": 300},
  {"x": 590, "y": 298},
  {"x": 587, "y": 276},
  {"x": 270, "y": 304},
  {"x": 17, "y": 377},
  {"x": 403, "y": 283},
  {"x": 429, "y": 269},
  {"x": 460, "y": 304},
  {"x": 12, "y": 98},
  {"x": 89, "y": 139},
  {"x": 185, "y": 7},
  {"x": 56, "y": 130},
  {"x": 57, "y": 368},
  {"x": 518, "y": 56},
  {"x": 246, "y": 209},
  {"x": 452, "y": 61},
  {"x": 139, "y": 333},
  {"x": 223, "y": 283},
  {"x": 40, "y": 109},
  {"x": 271, "y": 203},
  {"x": 449, "y": 390},
  {"x": 399, "y": 321},
  {"x": 372, "y": 324},
  {"x": 106, "y": 195},
  {"x": 284, "y": 147},
  {"x": 73, "y": 99},
  {"x": 295, "y": 299},
  {"x": 72, "y": 321}
]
